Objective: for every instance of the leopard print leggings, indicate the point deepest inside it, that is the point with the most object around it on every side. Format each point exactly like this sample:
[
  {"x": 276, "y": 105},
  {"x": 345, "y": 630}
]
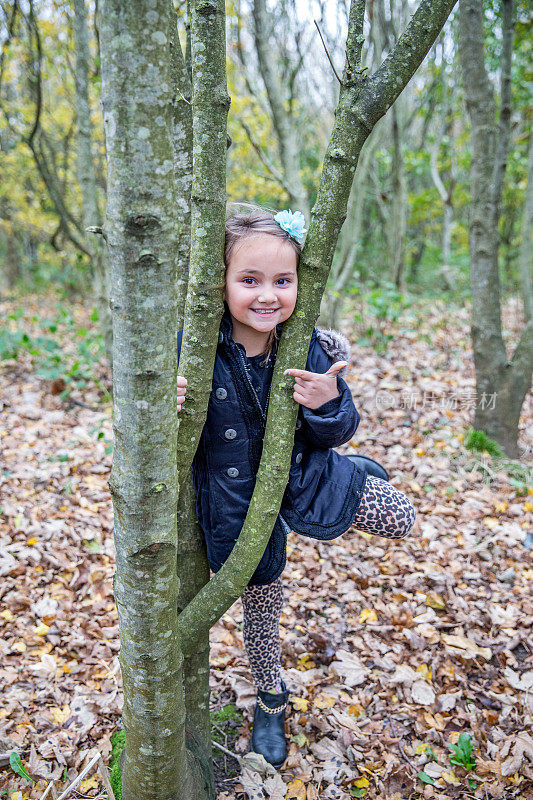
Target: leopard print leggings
[{"x": 383, "y": 511}]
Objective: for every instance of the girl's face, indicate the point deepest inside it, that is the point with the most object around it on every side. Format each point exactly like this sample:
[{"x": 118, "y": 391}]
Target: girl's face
[{"x": 261, "y": 287}]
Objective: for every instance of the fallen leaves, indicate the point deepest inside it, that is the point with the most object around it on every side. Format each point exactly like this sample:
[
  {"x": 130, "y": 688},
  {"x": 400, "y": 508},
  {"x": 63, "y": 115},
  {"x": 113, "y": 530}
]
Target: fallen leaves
[
  {"x": 391, "y": 649},
  {"x": 467, "y": 647}
]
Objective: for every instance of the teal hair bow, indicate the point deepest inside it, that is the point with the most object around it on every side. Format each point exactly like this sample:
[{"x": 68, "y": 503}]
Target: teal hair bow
[{"x": 294, "y": 224}]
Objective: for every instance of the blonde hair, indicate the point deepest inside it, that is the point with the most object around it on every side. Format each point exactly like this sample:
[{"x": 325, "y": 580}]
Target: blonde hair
[{"x": 254, "y": 221}]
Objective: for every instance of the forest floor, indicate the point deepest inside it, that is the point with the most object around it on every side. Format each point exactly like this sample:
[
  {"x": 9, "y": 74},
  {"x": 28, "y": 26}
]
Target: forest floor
[{"x": 392, "y": 649}]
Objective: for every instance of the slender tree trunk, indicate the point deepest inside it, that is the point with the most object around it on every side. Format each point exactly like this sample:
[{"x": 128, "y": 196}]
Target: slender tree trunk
[
  {"x": 12, "y": 262},
  {"x": 526, "y": 245},
  {"x": 202, "y": 314},
  {"x": 87, "y": 178},
  {"x": 501, "y": 384},
  {"x": 398, "y": 206},
  {"x": 447, "y": 218},
  {"x": 141, "y": 235}
]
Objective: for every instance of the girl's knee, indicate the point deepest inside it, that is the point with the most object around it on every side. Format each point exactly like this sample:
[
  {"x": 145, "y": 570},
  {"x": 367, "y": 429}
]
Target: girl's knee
[{"x": 407, "y": 523}]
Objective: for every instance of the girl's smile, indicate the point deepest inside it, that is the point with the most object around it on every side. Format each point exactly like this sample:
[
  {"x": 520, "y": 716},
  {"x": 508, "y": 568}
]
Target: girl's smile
[{"x": 261, "y": 289}]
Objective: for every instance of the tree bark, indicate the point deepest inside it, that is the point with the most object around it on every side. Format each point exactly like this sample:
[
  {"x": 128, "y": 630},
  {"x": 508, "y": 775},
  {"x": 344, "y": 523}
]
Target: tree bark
[
  {"x": 501, "y": 384},
  {"x": 182, "y": 163},
  {"x": 398, "y": 216},
  {"x": 202, "y": 314},
  {"x": 141, "y": 235},
  {"x": 526, "y": 245},
  {"x": 87, "y": 177}
]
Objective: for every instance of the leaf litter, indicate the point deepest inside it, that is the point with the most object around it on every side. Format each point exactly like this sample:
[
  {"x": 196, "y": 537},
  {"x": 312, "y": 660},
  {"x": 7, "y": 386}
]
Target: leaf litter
[{"x": 392, "y": 650}]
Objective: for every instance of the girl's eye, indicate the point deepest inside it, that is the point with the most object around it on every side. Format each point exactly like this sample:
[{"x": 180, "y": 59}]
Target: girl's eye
[
  {"x": 245, "y": 280},
  {"x": 284, "y": 279}
]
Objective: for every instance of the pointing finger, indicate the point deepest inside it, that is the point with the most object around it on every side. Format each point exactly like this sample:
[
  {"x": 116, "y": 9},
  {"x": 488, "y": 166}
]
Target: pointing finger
[{"x": 304, "y": 374}]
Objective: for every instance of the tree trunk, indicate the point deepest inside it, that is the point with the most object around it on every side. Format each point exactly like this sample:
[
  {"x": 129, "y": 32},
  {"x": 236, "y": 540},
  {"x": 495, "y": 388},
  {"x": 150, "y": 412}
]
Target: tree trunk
[
  {"x": 202, "y": 314},
  {"x": 12, "y": 260},
  {"x": 141, "y": 234},
  {"x": 87, "y": 178},
  {"x": 526, "y": 245},
  {"x": 398, "y": 217},
  {"x": 501, "y": 384}
]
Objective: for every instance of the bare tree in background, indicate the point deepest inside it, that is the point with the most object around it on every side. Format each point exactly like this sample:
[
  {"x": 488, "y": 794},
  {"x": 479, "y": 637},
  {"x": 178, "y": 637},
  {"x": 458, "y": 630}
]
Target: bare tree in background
[{"x": 501, "y": 383}]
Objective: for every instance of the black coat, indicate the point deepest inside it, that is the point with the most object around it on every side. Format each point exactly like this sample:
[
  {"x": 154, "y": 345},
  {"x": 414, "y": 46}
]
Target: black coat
[{"x": 324, "y": 487}]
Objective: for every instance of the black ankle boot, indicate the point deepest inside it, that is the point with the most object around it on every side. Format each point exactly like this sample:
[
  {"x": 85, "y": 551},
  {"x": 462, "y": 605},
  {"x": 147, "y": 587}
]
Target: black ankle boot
[{"x": 268, "y": 734}]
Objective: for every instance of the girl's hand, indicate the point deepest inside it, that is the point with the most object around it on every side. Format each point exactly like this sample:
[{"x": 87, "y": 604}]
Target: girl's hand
[
  {"x": 313, "y": 389},
  {"x": 182, "y": 383}
]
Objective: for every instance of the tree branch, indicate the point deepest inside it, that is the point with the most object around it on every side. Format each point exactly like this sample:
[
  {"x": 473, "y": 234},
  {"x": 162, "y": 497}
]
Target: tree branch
[
  {"x": 204, "y": 308},
  {"x": 264, "y": 158},
  {"x": 385, "y": 85}
]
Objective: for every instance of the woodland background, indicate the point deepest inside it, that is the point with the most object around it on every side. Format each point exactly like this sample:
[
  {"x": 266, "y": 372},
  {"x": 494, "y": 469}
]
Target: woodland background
[{"x": 392, "y": 649}]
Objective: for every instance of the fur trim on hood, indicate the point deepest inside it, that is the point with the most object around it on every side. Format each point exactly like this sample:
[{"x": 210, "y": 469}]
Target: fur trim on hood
[{"x": 336, "y": 345}]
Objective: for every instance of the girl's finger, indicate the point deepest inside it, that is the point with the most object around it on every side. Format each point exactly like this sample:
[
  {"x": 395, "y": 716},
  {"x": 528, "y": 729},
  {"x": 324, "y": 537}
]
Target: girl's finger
[
  {"x": 299, "y": 397},
  {"x": 302, "y": 382},
  {"x": 182, "y": 382},
  {"x": 304, "y": 374}
]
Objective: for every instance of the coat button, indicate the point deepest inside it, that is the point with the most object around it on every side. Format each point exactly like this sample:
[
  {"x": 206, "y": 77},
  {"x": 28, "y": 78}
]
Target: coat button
[
  {"x": 233, "y": 472},
  {"x": 298, "y": 458},
  {"x": 221, "y": 393},
  {"x": 231, "y": 433},
  {"x": 298, "y": 424}
]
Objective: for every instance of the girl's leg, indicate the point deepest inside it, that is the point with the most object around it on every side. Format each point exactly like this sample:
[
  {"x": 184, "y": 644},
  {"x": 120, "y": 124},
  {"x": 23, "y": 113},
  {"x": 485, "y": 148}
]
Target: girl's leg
[
  {"x": 384, "y": 510},
  {"x": 262, "y": 607}
]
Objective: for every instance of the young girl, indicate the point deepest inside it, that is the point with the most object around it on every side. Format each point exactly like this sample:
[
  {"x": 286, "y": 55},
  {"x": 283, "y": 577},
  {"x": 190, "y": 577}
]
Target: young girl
[{"x": 326, "y": 492}]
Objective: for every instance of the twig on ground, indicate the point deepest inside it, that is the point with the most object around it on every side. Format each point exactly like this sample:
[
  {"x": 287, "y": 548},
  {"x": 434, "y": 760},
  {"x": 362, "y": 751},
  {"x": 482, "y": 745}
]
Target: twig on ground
[
  {"x": 103, "y": 773},
  {"x": 75, "y": 402},
  {"x": 225, "y": 750},
  {"x": 400, "y": 746}
]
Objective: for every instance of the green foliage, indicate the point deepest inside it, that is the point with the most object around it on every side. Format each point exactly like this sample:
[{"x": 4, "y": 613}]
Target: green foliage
[
  {"x": 478, "y": 440},
  {"x": 118, "y": 741},
  {"x": 221, "y": 716},
  {"x": 385, "y": 304},
  {"x": 462, "y": 752},
  {"x": 17, "y": 766},
  {"x": 425, "y": 778},
  {"x": 75, "y": 368}
]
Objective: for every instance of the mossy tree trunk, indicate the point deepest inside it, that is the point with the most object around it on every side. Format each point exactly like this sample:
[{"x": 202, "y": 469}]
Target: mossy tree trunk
[
  {"x": 165, "y": 601},
  {"x": 142, "y": 240}
]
